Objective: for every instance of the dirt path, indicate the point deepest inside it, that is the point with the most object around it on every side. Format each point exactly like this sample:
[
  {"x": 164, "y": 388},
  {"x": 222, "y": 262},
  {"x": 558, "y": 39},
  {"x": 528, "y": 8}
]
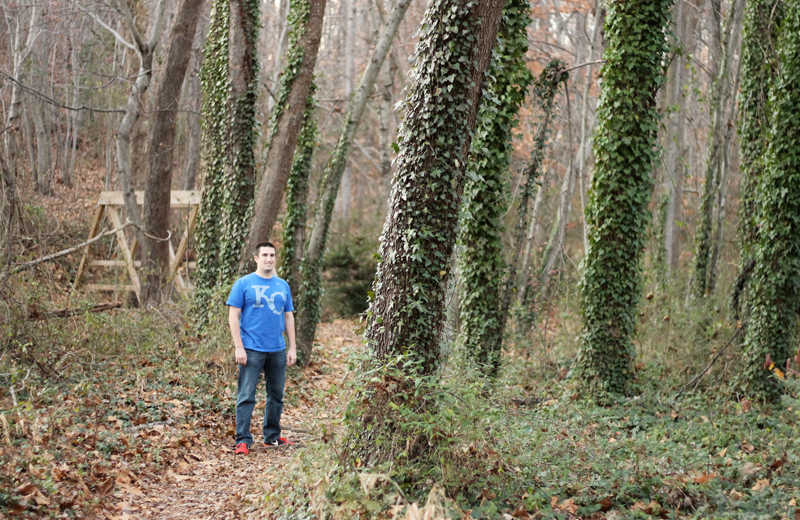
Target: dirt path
[{"x": 205, "y": 480}]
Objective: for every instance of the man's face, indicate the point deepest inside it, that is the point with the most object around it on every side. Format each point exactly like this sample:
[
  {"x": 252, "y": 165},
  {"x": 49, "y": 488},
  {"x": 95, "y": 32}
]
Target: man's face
[{"x": 265, "y": 259}]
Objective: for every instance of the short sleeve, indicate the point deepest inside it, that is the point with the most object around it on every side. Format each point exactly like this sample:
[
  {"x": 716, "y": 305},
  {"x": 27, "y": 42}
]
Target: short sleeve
[
  {"x": 288, "y": 306},
  {"x": 236, "y": 298}
]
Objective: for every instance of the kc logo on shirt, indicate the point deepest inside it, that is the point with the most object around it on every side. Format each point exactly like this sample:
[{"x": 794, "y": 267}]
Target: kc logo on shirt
[{"x": 261, "y": 293}]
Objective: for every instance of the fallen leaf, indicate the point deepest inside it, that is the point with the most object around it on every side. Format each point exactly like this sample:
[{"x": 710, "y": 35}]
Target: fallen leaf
[
  {"x": 777, "y": 464},
  {"x": 569, "y": 506},
  {"x": 553, "y": 501},
  {"x": 749, "y": 468},
  {"x": 760, "y": 484},
  {"x": 27, "y": 489},
  {"x": 735, "y": 495},
  {"x": 705, "y": 477},
  {"x": 605, "y": 504},
  {"x": 793, "y": 502},
  {"x": 106, "y": 487},
  {"x": 723, "y": 452},
  {"x": 488, "y": 495},
  {"x": 747, "y": 447},
  {"x": 40, "y": 499},
  {"x": 638, "y": 506},
  {"x": 521, "y": 512}
]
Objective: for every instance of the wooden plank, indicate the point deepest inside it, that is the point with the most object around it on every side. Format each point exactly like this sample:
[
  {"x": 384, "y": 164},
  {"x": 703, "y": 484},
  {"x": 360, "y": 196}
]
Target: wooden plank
[
  {"x": 112, "y": 263},
  {"x": 184, "y": 243},
  {"x": 93, "y": 230},
  {"x": 177, "y": 198},
  {"x": 108, "y": 287},
  {"x": 126, "y": 253}
]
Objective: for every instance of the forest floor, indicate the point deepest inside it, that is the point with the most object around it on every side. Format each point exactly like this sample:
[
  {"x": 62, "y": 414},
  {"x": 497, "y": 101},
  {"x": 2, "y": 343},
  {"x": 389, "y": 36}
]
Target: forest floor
[{"x": 151, "y": 436}]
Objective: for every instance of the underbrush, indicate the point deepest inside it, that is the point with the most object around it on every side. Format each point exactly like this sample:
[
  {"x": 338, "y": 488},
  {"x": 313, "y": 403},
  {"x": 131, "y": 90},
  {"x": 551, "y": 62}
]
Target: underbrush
[
  {"x": 535, "y": 447},
  {"x": 93, "y": 403}
]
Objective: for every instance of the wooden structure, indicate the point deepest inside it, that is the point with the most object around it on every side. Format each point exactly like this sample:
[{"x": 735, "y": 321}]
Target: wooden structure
[{"x": 108, "y": 206}]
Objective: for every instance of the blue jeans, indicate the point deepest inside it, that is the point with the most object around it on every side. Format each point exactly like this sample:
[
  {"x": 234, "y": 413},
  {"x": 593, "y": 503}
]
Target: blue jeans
[{"x": 273, "y": 364}]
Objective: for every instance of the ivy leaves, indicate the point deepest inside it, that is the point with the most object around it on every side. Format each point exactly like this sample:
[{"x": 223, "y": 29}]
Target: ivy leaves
[{"x": 617, "y": 216}]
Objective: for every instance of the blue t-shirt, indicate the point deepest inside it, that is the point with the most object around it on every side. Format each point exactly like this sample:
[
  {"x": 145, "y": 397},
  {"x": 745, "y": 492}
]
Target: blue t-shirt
[{"x": 263, "y": 302}]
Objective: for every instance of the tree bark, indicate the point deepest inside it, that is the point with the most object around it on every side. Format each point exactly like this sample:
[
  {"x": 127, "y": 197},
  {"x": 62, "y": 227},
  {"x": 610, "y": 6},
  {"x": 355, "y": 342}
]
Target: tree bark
[
  {"x": 160, "y": 152},
  {"x": 407, "y": 313},
  {"x": 309, "y": 314},
  {"x": 287, "y": 120},
  {"x": 720, "y": 96}
]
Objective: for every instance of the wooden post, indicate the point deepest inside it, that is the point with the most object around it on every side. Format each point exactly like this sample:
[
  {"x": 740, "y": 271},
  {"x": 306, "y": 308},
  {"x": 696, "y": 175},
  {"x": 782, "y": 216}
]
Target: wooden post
[{"x": 93, "y": 230}]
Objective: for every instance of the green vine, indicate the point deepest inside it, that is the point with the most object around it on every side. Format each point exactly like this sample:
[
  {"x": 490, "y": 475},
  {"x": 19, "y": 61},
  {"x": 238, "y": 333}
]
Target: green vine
[
  {"x": 759, "y": 68},
  {"x": 405, "y": 317},
  {"x": 617, "y": 215},
  {"x": 775, "y": 299},
  {"x": 294, "y": 227},
  {"x": 240, "y": 171},
  {"x": 485, "y": 201},
  {"x": 215, "y": 85}
]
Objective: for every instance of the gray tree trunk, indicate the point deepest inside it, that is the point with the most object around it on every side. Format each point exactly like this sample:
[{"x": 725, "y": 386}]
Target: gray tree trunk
[
  {"x": 285, "y": 130},
  {"x": 160, "y": 152}
]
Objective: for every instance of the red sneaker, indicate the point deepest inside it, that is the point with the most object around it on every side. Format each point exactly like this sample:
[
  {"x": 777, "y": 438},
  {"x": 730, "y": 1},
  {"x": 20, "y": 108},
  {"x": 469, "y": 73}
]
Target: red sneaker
[
  {"x": 278, "y": 443},
  {"x": 241, "y": 449}
]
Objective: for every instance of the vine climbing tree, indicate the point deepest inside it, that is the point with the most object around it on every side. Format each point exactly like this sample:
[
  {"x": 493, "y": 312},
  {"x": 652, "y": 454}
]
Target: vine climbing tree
[
  {"x": 215, "y": 83},
  {"x": 482, "y": 263},
  {"x": 617, "y": 215},
  {"x": 407, "y": 312},
  {"x": 297, "y": 77},
  {"x": 759, "y": 68},
  {"x": 775, "y": 297}
]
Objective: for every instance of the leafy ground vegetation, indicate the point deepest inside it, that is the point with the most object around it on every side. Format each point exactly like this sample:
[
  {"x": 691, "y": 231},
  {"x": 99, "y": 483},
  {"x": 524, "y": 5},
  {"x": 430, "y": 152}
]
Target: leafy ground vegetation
[{"x": 125, "y": 414}]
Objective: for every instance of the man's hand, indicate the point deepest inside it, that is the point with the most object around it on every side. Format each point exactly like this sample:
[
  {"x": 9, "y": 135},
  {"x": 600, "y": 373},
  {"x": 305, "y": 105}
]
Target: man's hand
[
  {"x": 291, "y": 356},
  {"x": 241, "y": 356}
]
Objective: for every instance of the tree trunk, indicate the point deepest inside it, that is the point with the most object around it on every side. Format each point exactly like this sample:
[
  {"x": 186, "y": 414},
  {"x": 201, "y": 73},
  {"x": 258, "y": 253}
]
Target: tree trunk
[
  {"x": 287, "y": 118},
  {"x": 294, "y": 228},
  {"x": 194, "y": 129},
  {"x": 407, "y": 313},
  {"x": 44, "y": 159},
  {"x": 482, "y": 264},
  {"x": 759, "y": 69},
  {"x": 215, "y": 83},
  {"x": 155, "y": 258},
  {"x": 617, "y": 216},
  {"x": 720, "y": 95},
  {"x": 584, "y": 149},
  {"x": 546, "y": 88},
  {"x": 349, "y": 59},
  {"x": 771, "y": 333},
  {"x": 308, "y": 299},
  {"x": 240, "y": 169},
  {"x": 146, "y": 50}
]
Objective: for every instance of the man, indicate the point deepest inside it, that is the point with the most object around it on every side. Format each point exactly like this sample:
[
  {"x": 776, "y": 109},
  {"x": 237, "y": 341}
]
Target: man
[{"x": 259, "y": 311}]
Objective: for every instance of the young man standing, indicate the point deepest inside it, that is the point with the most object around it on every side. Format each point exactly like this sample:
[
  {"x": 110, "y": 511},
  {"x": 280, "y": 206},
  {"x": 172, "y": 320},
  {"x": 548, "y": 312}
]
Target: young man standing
[{"x": 259, "y": 311}]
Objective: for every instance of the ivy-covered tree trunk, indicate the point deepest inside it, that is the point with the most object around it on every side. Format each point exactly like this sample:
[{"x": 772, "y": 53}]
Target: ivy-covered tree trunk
[
  {"x": 775, "y": 297},
  {"x": 160, "y": 151},
  {"x": 305, "y": 31},
  {"x": 229, "y": 78},
  {"x": 240, "y": 170},
  {"x": 617, "y": 215},
  {"x": 482, "y": 264},
  {"x": 759, "y": 68},
  {"x": 407, "y": 313},
  {"x": 215, "y": 83},
  {"x": 294, "y": 228},
  {"x": 308, "y": 315}
]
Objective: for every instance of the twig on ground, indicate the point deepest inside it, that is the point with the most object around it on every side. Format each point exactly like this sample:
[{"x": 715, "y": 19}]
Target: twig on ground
[
  {"x": 697, "y": 378},
  {"x": 148, "y": 425},
  {"x": 35, "y": 314}
]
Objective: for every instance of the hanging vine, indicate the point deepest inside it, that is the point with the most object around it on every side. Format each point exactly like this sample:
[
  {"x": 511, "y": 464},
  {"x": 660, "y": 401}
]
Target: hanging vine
[
  {"x": 485, "y": 199},
  {"x": 775, "y": 297},
  {"x": 215, "y": 85},
  {"x": 759, "y": 68},
  {"x": 617, "y": 215}
]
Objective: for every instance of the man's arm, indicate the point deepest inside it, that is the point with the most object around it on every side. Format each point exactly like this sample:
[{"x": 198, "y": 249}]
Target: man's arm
[
  {"x": 234, "y": 313},
  {"x": 291, "y": 355}
]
